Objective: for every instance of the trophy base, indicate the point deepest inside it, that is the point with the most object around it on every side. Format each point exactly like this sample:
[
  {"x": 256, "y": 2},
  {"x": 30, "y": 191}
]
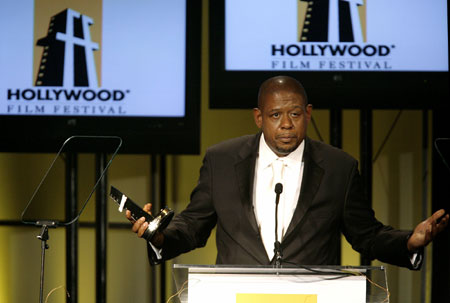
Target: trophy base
[{"x": 160, "y": 222}]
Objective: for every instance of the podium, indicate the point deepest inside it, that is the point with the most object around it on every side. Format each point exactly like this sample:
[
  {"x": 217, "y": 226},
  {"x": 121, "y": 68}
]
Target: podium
[{"x": 264, "y": 284}]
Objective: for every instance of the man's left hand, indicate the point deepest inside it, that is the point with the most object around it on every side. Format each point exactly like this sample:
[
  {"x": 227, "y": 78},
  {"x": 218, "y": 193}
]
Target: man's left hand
[{"x": 425, "y": 232}]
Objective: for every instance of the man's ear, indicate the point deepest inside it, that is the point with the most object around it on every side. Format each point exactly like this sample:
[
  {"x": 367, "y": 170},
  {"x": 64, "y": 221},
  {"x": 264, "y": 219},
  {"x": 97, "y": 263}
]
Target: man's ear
[
  {"x": 308, "y": 112},
  {"x": 257, "y": 115}
]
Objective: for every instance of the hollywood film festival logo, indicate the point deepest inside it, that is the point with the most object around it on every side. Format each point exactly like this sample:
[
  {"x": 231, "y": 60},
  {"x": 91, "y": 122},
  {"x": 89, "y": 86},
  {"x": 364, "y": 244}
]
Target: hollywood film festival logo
[
  {"x": 66, "y": 81},
  {"x": 332, "y": 35}
]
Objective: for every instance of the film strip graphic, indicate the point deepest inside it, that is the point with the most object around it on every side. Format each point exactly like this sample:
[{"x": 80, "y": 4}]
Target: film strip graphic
[
  {"x": 330, "y": 21},
  {"x": 68, "y": 55}
]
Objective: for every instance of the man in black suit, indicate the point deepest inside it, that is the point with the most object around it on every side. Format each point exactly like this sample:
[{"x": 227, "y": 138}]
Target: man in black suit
[{"x": 322, "y": 197}]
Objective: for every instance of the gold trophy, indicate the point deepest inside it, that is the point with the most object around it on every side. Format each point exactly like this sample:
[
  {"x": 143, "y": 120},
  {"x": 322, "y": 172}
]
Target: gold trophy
[{"x": 159, "y": 222}]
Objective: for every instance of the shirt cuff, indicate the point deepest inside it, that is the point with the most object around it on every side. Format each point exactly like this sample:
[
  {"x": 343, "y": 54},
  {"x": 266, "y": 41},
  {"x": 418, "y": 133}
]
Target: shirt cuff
[
  {"x": 416, "y": 260},
  {"x": 157, "y": 251}
]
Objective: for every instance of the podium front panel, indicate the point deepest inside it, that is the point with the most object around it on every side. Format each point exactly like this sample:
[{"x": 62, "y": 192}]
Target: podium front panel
[{"x": 323, "y": 284}]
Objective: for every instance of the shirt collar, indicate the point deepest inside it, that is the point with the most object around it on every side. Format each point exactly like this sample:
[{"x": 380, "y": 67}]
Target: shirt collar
[{"x": 267, "y": 156}]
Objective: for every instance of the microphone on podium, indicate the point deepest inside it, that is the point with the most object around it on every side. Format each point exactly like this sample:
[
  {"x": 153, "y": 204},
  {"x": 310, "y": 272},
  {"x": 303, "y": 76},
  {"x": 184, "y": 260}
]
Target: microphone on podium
[{"x": 277, "y": 248}]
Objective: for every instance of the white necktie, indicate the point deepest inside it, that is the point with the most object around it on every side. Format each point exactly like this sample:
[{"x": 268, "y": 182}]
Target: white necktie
[{"x": 277, "y": 167}]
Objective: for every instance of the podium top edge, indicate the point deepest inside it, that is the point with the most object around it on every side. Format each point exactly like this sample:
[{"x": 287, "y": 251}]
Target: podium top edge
[{"x": 263, "y": 269}]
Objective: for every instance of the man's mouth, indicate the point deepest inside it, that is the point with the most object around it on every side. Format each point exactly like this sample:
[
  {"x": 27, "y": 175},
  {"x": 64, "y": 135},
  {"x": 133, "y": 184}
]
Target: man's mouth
[{"x": 286, "y": 138}]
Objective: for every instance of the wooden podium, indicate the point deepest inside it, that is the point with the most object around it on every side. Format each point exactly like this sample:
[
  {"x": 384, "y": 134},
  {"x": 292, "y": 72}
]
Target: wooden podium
[{"x": 263, "y": 284}]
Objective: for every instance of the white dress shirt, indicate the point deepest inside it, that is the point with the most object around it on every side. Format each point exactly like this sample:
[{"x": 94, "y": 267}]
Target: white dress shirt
[{"x": 264, "y": 192}]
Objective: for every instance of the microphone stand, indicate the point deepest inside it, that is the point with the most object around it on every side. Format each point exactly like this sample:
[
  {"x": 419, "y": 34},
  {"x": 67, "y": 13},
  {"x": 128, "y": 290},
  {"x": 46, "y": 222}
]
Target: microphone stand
[
  {"x": 277, "y": 245},
  {"x": 43, "y": 236}
]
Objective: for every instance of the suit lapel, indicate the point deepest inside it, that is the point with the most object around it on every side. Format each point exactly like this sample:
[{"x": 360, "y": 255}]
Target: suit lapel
[
  {"x": 245, "y": 173},
  {"x": 312, "y": 177}
]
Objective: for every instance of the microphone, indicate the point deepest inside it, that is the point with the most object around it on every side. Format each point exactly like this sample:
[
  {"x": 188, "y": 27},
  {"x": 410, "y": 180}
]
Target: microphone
[
  {"x": 278, "y": 190},
  {"x": 277, "y": 244}
]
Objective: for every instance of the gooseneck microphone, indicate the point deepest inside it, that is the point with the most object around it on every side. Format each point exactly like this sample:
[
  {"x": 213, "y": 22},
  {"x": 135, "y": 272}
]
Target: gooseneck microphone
[{"x": 277, "y": 249}]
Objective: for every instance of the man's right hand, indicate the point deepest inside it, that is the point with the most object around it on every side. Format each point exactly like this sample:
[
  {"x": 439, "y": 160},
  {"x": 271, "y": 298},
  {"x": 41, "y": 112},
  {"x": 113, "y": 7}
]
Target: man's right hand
[{"x": 140, "y": 226}]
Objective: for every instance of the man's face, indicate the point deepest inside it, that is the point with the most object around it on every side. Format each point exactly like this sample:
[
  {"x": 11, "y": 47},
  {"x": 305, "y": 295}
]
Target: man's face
[{"x": 283, "y": 118}]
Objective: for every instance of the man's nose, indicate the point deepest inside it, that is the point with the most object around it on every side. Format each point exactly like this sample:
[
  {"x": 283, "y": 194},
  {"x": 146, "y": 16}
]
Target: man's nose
[{"x": 286, "y": 122}]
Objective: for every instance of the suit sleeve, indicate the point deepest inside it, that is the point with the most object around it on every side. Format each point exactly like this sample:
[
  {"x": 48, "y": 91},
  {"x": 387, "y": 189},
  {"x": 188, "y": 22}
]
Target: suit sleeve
[
  {"x": 366, "y": 234},
  {"x": 192, "y": 227}
]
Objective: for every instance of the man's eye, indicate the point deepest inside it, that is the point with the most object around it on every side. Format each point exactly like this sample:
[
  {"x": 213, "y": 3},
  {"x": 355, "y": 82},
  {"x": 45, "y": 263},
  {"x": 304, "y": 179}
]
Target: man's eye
[
  {"x": 295, "y": 114},
  {"x": 275, "y": 115}
]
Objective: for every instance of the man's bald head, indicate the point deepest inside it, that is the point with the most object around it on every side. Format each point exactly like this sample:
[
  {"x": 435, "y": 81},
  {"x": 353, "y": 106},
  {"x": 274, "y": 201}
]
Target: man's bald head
[{"x": 280, "y": 83}]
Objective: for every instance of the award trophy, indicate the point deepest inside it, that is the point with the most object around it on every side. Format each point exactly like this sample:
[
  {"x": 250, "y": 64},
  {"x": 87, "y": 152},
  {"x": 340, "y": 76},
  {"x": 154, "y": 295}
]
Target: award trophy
[{"x": 159, "y": 222}]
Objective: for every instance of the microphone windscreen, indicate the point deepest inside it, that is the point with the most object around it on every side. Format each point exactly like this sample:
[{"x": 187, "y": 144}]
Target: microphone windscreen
[{"x": 278, "y": 188}]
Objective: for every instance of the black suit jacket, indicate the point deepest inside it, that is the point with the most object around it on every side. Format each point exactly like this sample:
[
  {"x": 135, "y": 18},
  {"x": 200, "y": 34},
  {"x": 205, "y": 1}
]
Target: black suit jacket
[{"x": 331, "y": 202}]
